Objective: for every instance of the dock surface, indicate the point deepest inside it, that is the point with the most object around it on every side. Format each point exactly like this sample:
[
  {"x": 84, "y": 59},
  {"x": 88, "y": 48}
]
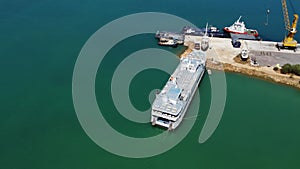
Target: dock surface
[{"x": 221, "y": 55}]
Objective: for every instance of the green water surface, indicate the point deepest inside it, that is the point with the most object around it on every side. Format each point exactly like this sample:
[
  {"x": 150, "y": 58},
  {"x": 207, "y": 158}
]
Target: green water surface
[{"x": 40, "y": 42}]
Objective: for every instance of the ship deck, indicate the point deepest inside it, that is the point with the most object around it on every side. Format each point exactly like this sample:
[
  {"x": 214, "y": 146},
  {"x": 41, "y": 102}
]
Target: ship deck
[
  {"x": 172, "y": 98},
  {"x": 169, "y": 35}
]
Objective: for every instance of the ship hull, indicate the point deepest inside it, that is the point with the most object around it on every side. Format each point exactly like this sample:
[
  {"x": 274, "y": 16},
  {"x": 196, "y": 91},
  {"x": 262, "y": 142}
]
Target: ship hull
[
  {"x": 178, "y": 122},
  {"x": 249, "y": 32}
]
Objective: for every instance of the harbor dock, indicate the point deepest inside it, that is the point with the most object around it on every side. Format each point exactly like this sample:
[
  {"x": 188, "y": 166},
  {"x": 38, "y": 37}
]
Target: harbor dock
[
  {"x": 239, "y": 49},
  {"x": 222, "y": 56}
]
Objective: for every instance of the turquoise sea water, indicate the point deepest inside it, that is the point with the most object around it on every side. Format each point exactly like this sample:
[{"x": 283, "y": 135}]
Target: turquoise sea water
[{"x": 40, "y": 42}]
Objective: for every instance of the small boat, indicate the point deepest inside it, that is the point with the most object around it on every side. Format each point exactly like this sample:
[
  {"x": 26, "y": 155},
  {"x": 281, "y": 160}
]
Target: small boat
[
  {"x": 205, "y": 41},
  {"x": 209, "y": 71},
  {"x": 239, "y": 27},
  {"x": 179, "y": 37},
  {"x": 169, "y": 38},
  {"x": 167, "y": 42},
  {"x": 211, "y": 31},
  {"x": 244, "y": 54}
]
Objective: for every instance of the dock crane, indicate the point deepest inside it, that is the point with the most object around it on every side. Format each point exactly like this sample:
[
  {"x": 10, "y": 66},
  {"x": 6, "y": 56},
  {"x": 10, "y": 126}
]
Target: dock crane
[{"x": 289, "y": 42}]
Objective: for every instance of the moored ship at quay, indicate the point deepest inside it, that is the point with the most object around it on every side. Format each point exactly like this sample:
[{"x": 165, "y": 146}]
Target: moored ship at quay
[
  {"x": 171, "y": 104},
  {"x": 237, "y": 31},
  {"x": 239, "y": 27}
]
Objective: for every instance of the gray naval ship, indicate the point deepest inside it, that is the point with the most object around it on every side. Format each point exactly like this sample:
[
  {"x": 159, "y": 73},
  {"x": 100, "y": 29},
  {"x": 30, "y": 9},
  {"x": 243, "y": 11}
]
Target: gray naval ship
[{"x": 171, "y": 104}]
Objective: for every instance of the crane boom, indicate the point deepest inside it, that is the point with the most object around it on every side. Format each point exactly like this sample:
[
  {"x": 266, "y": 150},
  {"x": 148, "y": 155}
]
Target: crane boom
[
  {"x": 294, "y": 25},
  {"x": 285, "y": 15},
  {"x": 289, "y": 41}
]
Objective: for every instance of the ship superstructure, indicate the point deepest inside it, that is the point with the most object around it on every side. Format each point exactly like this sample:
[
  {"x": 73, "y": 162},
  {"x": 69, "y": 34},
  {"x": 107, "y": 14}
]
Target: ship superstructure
[
  {"x": 239, "y": 28},
  {"x": 171, "y": 104}
]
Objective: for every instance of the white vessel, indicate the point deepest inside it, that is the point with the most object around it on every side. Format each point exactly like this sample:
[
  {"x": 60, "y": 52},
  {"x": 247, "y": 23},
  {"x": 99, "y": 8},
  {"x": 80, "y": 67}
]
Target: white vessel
[
  {"x": 205, "y": 41},
  {"x": 244, "y": 54},
  {"x": 239, "y": 27},
  {"x": 169, "y": 38},
  {"x": 171, "y": 104},
  {"x": 167, "y": 42},
  {"x": 209, "y": 72}
]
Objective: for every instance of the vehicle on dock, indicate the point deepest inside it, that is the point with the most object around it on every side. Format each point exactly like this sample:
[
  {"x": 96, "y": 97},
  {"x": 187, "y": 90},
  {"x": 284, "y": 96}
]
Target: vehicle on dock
[
  {"x": 289, "y": 42},
  {"x": 239, "y": 27},
  {"x": 171, "y": 104},
  {"x": 236, "y": 43},
  {"x": 197, "y": 45},
  {"x": 253, "y": 62}
]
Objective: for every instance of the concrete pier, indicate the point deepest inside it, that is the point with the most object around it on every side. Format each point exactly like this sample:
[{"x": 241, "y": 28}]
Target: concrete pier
[{"x": 222, "y": 55}]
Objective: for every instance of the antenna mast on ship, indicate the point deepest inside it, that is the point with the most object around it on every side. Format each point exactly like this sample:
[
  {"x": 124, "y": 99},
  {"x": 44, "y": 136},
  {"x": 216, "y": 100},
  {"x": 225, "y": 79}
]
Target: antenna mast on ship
[
  {"x": 239, "y": 19},
  {"x": 206, "y": 29}
]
